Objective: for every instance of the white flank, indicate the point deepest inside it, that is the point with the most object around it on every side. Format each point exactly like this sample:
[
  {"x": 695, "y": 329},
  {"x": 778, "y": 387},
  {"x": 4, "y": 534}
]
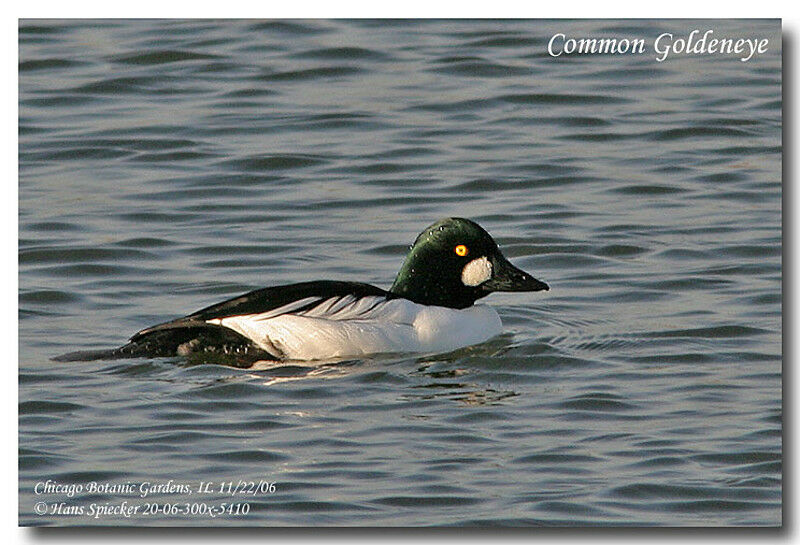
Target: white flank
[
  {"x": 476, "y": 272},
  {"x": 351, "y": 326}
]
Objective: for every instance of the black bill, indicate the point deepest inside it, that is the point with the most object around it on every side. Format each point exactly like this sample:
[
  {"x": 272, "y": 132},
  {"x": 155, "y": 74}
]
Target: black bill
[{"x": 507, "y": 277}]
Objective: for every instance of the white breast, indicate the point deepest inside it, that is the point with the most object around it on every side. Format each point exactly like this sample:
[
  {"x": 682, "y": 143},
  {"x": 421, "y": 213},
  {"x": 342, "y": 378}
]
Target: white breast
[{"x": 350, "y": 326}]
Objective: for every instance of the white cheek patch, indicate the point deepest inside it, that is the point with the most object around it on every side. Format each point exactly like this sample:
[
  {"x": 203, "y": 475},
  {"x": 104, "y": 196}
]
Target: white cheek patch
[{"x": 476, "y": 272}]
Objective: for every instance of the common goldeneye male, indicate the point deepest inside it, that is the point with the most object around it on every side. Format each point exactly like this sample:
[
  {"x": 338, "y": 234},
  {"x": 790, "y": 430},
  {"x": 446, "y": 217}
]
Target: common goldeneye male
[{"x": 429, "y": 309}]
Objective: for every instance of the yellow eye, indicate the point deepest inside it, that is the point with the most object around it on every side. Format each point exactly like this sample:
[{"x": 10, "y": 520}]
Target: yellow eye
[{"x": 461, "y": 250}]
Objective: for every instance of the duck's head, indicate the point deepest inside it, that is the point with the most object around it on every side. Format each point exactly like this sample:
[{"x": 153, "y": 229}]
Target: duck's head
[{"x": 453, "y": 263}]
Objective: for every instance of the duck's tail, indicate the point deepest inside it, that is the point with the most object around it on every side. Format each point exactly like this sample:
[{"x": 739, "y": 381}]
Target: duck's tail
[
  {"x": 130, "y": 350},
  {"x": 205, "y": 341}
]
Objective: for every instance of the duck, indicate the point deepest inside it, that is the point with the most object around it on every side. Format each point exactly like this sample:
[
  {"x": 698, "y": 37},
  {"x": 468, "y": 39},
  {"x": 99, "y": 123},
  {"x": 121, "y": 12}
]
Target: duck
[{"x": 430, "y": 308}]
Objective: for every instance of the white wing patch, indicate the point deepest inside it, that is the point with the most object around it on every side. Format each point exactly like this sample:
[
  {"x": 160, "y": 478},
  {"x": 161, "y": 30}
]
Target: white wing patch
[
  {"x": 285, "y": 309},
  {"x": 347, "y": 325},
  {"x": 348, "y": 307}
]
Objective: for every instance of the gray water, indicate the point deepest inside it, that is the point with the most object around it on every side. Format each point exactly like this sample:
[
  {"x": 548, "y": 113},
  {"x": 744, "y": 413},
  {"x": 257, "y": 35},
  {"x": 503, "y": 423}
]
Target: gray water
[{"x": 168, "y": 165}]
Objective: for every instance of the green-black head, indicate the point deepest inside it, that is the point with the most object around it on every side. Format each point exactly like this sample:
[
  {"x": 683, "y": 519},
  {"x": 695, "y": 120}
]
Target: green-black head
[{"x": 455, "y": 262}]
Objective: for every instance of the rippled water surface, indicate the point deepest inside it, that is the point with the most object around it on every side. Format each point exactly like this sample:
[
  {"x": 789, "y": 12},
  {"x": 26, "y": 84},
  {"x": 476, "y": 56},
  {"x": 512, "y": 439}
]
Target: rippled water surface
[{"x": 167, "y": 165}]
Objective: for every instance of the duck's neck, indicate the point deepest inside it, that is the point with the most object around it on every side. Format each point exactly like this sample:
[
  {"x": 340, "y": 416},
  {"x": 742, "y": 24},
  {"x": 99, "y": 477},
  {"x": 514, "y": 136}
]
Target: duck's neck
[{"x": 433, "y": 289}]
